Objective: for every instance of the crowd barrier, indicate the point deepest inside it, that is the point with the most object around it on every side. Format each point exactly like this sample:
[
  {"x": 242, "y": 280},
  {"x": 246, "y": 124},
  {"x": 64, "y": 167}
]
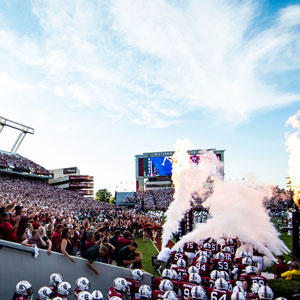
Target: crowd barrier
[{"x": 17, "y": 263}]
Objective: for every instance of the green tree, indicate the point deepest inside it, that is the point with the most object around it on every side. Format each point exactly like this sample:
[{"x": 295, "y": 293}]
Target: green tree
[
  {"x": 112, "y": 200},
  {"x": 103, "y": 195}
]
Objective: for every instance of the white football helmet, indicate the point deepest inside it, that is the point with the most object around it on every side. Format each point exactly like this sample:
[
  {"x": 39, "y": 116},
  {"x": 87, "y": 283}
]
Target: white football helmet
[
  {"x": 227, "y": 249},
  {"x": 202, "y": 253},
  {"x": 220, "y": 255},
  {"x": 167, "y": 274},
  {"x": 85, "y": 295},
  {"x": 254, "y": 288},
  {"x": 202, "y": 259},
  {"x": 170, "y": 295},
  {"x": 229, "y": 242},
  {"x": 243, "y": 254},
  {"x": 265, "y": 292},
  {"x": 238, "y": 296},
  {"x": 55, "y": 279},
  {"x": 221, "y": 284},
  {"x": 238, "y": 289},
  {"x": 207, "y": 246},
  {"x": 181, "y": 263},
  {"x": 180, "y": 250},
  {"x": 247, "y": 261},
  {"x": 120, "y": 284},
  {"x": 24, "y": 288},
  {"x": 145, "y": 291},
  {"x": 137, "y": 275},
  {"x": 174, "y": 275},
  {"x": 215, "y": 274},
  {"x": 193, "y": 269},
  {"x": 97, "y": 295},
  {"x": 198, "y": 293},
  {"x": 64, "y": 288},
  {"x": 45, "y": 293},
  {"x": 280, "y": 298},
  {"x": 224, "y": 275},
  {"x": 166, "y": 285},
  {"x": 195, "y": 278},
  {"x": 83, "y": 284},
  {"x": 251, "y": 270}
]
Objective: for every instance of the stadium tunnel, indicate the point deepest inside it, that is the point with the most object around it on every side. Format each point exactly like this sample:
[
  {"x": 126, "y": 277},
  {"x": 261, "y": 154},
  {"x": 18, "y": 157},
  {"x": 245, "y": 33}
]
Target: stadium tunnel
[{"x": 17, "y": 263}]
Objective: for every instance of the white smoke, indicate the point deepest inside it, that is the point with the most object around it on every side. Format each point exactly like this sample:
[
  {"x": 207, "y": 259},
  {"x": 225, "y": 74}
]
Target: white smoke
[
  {"x": 188, "y": 178},
  {"x": 237, "y": 210}
]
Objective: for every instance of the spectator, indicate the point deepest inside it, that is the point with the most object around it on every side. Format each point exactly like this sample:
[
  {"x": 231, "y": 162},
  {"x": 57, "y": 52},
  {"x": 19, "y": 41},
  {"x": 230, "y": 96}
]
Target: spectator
[
  {"x": 281, "y": 267},
  {"x": 55, "y": 238},
  {"x": 126, "y": 255},
  {"x": 66, "y": 244},
  {"x": 36, "y": 239},
  {"x": 8, "y": 231},
  {"x": 95, "y": 252},
  {"x": 90, "y": 237},
  {"x": 123, "y": 241},
  {"x": 293, "y": 273},
  {"x": 114, "y": 241}
]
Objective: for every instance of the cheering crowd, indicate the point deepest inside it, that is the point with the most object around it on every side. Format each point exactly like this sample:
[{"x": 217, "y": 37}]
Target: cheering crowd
[{"x": 38, "y": 215}]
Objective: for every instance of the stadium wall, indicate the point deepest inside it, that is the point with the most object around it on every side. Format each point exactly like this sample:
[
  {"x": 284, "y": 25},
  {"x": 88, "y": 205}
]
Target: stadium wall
[{"x": 17, "y": 265}]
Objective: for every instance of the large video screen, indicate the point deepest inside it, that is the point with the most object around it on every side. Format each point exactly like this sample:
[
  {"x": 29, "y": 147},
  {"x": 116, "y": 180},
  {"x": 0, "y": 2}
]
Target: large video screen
[{"x": 162, "y": 165}]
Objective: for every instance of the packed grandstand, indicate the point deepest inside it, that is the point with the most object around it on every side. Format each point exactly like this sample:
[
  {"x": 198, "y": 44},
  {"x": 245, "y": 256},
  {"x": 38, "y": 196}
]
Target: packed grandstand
[{"x": 39, "y": 215}]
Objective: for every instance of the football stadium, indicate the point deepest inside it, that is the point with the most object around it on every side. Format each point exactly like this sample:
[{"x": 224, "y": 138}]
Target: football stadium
[{"x": 170, "y": 239}]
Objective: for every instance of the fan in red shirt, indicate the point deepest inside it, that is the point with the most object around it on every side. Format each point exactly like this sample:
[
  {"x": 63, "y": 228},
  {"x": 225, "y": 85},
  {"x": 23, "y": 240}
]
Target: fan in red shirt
[
  {"x": 8, "y": 231},
  {"x": 89, "y": 240},
  {"x": 123, "y": 241},
  {"x": 119, "y": 288},
  {"x": 55, "y": 238},
  {"x": 23, "y": 291},
  {"x": 220, "y": 291}
]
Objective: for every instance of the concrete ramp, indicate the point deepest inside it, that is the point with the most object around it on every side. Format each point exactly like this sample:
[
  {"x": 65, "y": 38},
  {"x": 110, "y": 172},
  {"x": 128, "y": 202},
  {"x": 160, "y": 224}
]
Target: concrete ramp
[{"x": 17, "y": 263}]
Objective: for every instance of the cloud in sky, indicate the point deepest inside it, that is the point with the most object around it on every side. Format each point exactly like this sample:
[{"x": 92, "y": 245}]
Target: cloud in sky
[{"x": 154, "y": 61}]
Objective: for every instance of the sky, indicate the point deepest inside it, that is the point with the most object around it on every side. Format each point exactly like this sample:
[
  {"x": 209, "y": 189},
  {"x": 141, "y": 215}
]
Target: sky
[{"x": 102, "y": 81}]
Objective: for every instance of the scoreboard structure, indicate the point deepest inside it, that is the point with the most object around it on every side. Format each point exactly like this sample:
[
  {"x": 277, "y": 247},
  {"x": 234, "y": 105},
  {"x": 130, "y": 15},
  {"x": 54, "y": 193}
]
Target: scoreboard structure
[{"x": 154, "y": 169}]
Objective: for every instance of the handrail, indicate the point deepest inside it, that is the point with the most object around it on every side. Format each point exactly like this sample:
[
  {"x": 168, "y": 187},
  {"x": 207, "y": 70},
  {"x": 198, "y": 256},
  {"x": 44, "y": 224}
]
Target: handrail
[{"x": 16, "y": 246}]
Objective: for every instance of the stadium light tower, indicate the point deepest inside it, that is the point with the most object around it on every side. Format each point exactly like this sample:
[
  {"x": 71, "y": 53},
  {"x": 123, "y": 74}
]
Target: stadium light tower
[{"x": 20, "y": 127}]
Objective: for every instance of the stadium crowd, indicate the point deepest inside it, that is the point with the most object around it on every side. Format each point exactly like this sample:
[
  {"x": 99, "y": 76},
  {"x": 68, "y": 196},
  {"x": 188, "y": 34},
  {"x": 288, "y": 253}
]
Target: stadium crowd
[
  {"x": 16, "y": 160},
  {"x": 39, "y": 215}
]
